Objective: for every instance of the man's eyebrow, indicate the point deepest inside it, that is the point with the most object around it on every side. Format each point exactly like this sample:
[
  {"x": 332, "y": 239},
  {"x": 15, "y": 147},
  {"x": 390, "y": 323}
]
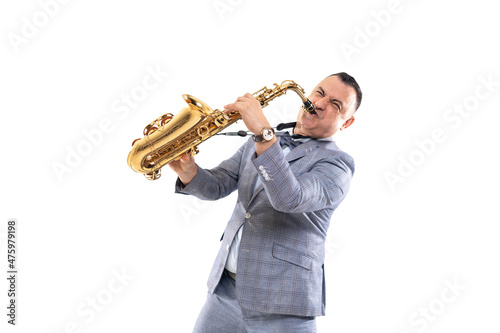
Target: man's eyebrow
[{"x": 333, "y": 99}]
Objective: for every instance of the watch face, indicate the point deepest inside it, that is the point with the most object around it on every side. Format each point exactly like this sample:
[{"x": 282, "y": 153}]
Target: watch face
[{"x": 267, "y": 134}]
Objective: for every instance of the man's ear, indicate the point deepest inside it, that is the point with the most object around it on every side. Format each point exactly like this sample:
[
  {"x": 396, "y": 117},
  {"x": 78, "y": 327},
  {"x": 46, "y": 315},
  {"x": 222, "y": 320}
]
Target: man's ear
[{"x": 347, "y": 123}]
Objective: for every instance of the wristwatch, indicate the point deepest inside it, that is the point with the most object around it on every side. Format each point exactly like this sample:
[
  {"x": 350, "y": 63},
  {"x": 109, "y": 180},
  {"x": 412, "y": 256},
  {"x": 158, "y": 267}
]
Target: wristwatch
[{"x": 266, "y": 134}]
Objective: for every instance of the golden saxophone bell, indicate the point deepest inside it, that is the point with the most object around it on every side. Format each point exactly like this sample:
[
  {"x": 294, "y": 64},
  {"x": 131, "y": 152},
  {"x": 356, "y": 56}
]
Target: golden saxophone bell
[{"x": 170, "y": 137}]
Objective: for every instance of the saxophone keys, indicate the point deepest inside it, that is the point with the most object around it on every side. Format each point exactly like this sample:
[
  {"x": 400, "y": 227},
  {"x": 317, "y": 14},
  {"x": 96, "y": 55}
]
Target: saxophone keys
[
  {"x": 193, "y": 151},
  {"x": 150, "y": 129},
  {"x": 202, "y": 131},
  {"x": 166, "y": 118},
  {"x": 153, "y": 175}
]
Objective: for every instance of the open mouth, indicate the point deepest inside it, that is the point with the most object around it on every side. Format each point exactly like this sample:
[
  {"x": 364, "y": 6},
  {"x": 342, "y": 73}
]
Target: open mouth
[{"x": 313, "y": 115}]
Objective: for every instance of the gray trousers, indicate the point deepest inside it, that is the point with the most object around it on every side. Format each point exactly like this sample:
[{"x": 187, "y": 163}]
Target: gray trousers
[{"x": 222, "y": 314}]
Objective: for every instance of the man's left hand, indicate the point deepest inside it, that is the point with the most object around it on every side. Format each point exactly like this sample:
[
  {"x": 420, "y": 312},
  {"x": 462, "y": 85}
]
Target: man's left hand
[{"x": 251, "y": 113}]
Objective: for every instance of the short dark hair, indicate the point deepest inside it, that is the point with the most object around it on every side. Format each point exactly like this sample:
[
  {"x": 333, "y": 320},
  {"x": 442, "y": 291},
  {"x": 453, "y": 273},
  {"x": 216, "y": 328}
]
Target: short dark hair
[{"x": 350, "y": 81}]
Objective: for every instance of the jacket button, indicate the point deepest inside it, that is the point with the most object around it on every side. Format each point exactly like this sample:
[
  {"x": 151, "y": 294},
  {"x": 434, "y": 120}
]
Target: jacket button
[{"x": 248, "y": 215}]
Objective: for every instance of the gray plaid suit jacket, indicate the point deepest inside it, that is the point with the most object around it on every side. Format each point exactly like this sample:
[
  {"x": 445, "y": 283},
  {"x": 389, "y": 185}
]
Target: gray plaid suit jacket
[{"x": 282, "y": 249}]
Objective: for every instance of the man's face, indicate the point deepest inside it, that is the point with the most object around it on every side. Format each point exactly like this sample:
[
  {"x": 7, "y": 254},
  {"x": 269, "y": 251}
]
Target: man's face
[{"x": 334, "y": 102}]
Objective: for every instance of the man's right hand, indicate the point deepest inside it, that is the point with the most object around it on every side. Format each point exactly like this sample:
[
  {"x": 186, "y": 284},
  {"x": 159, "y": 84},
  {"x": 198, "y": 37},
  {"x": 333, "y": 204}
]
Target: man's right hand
[{"x": 185, "y": 168}]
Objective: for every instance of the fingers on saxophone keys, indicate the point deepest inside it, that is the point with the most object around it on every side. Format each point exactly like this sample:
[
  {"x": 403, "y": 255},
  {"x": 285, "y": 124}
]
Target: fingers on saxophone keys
[{"x": 230, "y": 108}]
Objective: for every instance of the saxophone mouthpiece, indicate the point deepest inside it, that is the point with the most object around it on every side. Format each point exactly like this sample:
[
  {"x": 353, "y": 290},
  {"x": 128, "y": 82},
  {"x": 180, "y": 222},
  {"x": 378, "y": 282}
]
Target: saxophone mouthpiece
[{"x": 309, "y": 107}]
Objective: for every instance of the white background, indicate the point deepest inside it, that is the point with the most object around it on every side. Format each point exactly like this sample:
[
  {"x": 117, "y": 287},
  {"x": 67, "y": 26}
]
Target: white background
[{"x": 391, "y": 249}]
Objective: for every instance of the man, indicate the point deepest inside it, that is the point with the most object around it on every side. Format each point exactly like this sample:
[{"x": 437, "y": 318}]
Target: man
[{"x": 269, "y": 274}]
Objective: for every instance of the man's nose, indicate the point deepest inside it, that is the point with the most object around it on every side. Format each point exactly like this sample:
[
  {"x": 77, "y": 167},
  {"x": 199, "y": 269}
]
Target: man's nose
[{"x": 321, "y": 103}]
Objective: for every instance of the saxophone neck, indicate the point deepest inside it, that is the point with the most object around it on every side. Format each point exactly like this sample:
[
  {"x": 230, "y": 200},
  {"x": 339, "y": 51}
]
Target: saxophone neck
[
  {"x": 307, "y": 105},
  {"x": 265, "y": 95}
]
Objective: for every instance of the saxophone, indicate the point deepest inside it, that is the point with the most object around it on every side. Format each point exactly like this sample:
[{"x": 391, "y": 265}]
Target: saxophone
[{"x": 168, "y": 138}]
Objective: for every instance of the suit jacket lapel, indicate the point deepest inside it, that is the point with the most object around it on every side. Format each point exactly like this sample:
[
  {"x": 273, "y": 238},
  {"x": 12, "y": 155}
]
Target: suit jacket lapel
[
  {"x": 246, "y": 192},
  {"x": 259, "y": 188},
  {"x": 302, "y": 150}
]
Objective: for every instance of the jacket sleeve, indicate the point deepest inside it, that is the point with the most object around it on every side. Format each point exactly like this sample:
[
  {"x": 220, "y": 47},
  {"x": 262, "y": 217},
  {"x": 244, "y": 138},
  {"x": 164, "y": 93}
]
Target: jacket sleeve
[
  {"x": 323, "y": 186},
  {"x": 216, "y": 183}
]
